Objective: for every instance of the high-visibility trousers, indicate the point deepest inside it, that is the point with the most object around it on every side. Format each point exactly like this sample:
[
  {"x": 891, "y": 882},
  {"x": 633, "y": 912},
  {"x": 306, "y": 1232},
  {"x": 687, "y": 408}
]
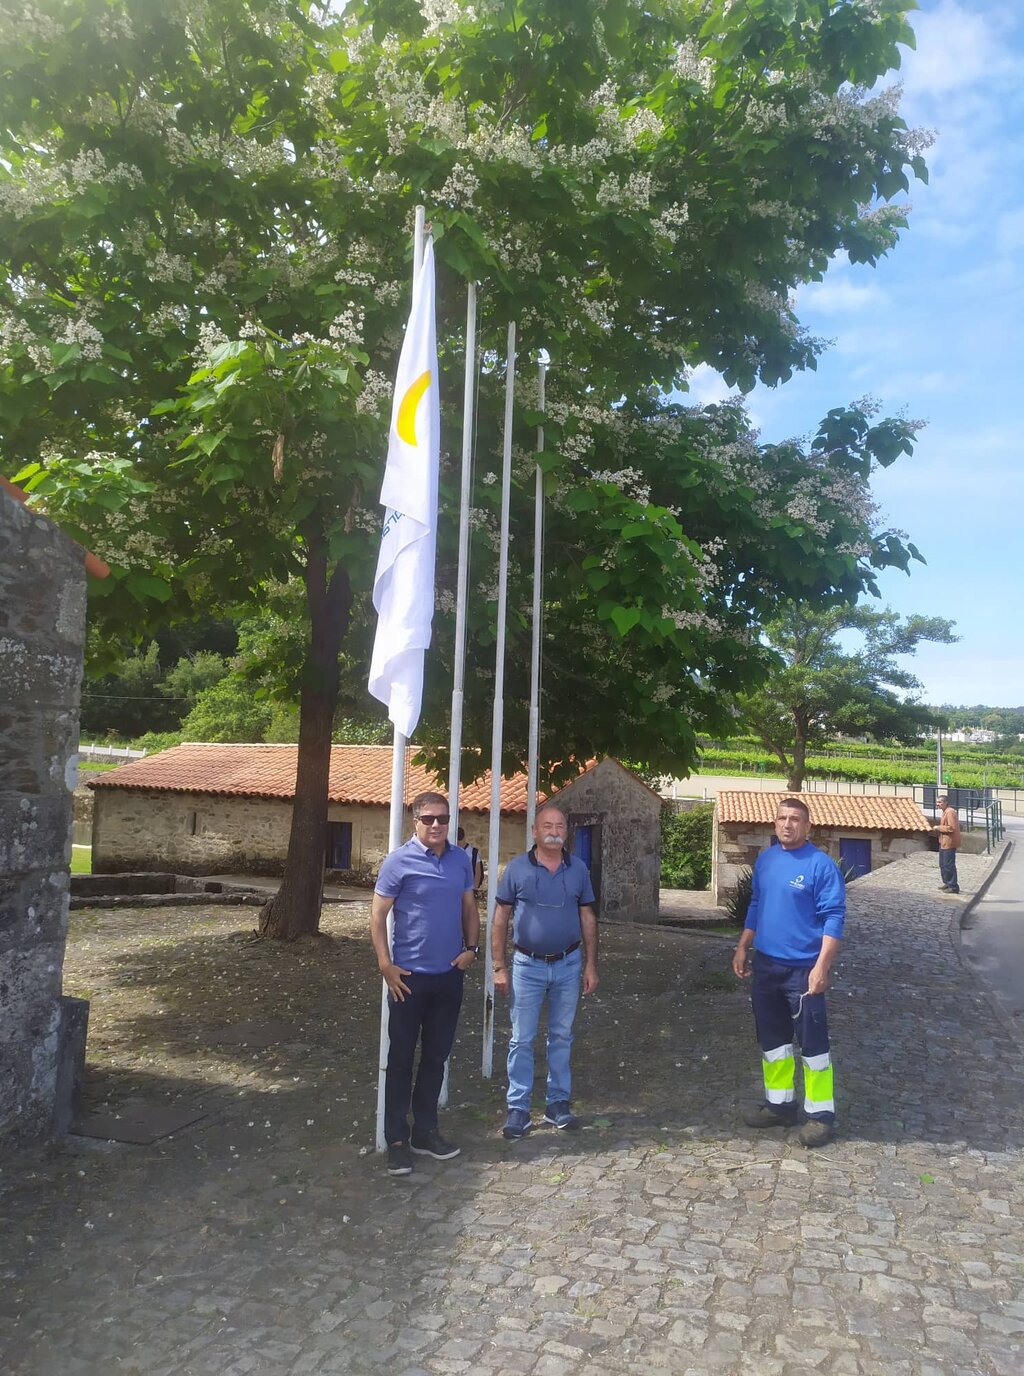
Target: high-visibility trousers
[{"x": 784, "y": 1014}]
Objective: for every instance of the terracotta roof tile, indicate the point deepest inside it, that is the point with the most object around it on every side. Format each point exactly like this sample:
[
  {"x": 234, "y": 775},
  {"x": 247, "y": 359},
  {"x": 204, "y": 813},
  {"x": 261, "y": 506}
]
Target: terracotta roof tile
[
  {"x": 867, "y": 812},
  {"x": 359, "y": 774}
]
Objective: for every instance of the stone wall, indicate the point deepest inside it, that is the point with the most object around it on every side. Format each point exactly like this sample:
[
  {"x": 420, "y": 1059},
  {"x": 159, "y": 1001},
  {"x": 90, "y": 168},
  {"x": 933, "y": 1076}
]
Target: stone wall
[
  {"x": 736, "y": 845},
  {"x": 200, "y": 833},
  {"x": 42, "y": 627},
  {"x": 627, "y": 867}
]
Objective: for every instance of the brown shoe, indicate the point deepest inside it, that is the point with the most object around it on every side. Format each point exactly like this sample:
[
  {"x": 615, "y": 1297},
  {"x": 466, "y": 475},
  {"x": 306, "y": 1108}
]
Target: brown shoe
[{"x": 816, "y": 1133}]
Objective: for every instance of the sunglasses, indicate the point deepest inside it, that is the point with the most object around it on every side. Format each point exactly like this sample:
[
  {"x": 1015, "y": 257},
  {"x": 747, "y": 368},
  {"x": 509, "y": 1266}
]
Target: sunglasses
[{"x": 429, "y": 818}]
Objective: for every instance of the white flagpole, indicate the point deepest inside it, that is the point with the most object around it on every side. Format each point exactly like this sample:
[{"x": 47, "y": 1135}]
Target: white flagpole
[
  {"x": 462, "y": 590},
  {"x": 398, "y": 752},
  {"x": 497, "y": 731},
  {"x": 538, "y": 582}
]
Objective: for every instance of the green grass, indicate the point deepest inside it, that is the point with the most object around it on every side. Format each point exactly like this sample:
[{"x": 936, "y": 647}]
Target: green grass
[{"x": 81, "y": 859}]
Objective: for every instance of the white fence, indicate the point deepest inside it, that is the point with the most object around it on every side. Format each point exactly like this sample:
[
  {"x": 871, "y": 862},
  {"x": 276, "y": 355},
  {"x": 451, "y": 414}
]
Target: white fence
[{"x": 99, "y": 753}]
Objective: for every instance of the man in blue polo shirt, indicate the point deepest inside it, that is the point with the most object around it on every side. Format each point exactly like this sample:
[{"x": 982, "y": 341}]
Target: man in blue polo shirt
[
  {"x": 428, "y": 883},
  {"x": 795, "y": 924},
  {"x": 548, "y": 894}
]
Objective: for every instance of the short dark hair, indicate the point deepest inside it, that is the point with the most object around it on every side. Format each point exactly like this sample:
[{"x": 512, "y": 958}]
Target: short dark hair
[
  {"x": 416, "y": 806},
  {"x": 798, "y": 803}
]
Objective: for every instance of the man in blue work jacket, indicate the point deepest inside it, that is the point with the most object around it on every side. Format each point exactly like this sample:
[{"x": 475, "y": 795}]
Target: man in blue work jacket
[
  {"x": 795, "y": 924},
  {"x": 548, "y": 894}
]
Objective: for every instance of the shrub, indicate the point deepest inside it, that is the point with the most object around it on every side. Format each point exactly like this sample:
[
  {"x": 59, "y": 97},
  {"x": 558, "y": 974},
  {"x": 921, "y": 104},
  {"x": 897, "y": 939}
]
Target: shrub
[
  {"x": 686, "y": 847},
  {"x": 738, "y": 901}
]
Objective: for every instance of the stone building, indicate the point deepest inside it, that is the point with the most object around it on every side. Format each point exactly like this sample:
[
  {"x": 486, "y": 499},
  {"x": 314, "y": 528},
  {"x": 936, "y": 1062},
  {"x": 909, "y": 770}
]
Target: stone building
[
  {"x": 860, "y": 832},
  {"x": 215, "y": 809},
  {"x": 615, "y": 823},
  {"x": 42, "y": 630}
]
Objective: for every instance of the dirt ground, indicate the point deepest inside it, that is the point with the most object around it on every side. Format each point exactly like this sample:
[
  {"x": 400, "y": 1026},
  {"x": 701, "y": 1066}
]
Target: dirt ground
[{"x": 183, "y": 1000}]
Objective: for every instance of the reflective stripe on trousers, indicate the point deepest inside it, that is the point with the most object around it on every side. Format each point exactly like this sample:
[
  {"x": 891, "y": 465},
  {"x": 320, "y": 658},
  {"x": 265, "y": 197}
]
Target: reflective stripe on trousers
[{"x": 785, "y": 1013}]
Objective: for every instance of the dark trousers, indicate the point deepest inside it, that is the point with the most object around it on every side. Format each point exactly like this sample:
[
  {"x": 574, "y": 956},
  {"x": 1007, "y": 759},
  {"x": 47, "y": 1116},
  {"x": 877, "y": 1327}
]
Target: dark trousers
[
  {"x": 428, "y": 1016},
  {"x": 947, "y": 868},
  {"x": 785, "y": 1013}
]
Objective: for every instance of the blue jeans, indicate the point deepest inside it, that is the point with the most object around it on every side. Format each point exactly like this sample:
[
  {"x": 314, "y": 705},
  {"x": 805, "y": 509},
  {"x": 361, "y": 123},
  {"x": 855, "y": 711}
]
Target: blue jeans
[
  {"x": 947, "y": 869},
  {"x": 533, "y": 981}
]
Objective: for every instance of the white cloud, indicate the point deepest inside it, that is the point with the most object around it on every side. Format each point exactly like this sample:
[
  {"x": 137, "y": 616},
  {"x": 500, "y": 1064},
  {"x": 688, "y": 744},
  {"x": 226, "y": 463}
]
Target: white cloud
[
  {"x": 957, "y": 48},
  {"x": 837, "y": 295},
  {"x": 706, "y": 387}
]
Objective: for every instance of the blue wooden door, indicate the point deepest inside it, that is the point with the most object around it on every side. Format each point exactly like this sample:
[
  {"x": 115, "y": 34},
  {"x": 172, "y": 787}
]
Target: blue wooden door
[
  {"x": 339, "y": 845},
  {"x": 854, "y": 857},
  {"x": 583, "y": 845}
]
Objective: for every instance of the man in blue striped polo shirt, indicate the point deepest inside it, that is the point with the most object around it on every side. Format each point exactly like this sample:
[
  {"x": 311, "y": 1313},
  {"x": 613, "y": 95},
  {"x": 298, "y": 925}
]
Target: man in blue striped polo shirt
[{"x": 428, "y": 883}]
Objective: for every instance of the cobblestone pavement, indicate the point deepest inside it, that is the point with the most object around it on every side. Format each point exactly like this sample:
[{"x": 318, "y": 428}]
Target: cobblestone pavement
[{"x": 663, "y": 1237}]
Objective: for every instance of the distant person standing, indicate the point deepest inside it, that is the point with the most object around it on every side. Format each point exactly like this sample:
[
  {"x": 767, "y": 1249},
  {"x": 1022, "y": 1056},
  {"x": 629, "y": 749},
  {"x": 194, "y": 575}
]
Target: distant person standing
[
  {"x": 475, "y": 861},
  {"x": 949, "y": 843},
  {"x": 795, "y": 925}
]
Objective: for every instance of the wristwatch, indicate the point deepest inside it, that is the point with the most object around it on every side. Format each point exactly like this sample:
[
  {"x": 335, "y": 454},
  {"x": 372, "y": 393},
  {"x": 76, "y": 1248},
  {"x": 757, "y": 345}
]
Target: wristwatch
[{"x": 474, "y": 949}]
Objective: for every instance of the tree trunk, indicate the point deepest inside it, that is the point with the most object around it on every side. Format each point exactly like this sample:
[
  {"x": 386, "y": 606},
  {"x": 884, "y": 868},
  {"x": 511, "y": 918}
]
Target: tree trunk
[
  {"x": 295, "y": 910},
  {"x": 798, "y": 766}
]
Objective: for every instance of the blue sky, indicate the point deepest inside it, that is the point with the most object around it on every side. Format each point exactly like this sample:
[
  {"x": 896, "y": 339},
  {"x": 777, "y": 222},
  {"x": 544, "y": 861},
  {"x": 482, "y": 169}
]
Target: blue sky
[{"x": 936, "y": 332}]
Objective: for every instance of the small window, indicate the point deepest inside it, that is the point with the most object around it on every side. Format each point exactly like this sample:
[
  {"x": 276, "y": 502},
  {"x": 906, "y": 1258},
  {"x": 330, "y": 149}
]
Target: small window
[{"x": 193, "y": 821}]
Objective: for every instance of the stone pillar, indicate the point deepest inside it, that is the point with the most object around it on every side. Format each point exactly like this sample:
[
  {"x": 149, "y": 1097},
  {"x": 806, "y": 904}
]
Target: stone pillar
[{"x": 42, "y": 630}]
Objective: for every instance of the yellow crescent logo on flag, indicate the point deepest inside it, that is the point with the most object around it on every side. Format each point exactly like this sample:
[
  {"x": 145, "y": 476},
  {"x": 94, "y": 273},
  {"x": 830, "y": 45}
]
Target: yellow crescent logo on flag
[{"x": 406, "y": 424}]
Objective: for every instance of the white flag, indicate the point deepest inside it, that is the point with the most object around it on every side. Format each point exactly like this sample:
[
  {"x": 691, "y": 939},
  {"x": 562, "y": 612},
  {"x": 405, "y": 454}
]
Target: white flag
[{"x": 403, "y": 587}]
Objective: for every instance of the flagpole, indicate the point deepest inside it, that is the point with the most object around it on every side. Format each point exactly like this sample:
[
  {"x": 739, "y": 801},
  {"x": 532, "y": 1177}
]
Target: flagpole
[
  {"x": 538, "y": 581},
  {"x": 398, "y": 753},
  {"x": 462, "y": 588},
  {"x": 497, "y": 730}
]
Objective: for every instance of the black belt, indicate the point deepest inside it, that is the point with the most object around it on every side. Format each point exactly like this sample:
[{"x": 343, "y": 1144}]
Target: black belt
[{"x": 550, "y": 960}]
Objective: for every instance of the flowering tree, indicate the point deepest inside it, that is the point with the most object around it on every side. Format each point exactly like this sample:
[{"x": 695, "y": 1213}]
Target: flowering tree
[
  {"x": 205, "y": 214},
  {"x": 821, "y": 689}
]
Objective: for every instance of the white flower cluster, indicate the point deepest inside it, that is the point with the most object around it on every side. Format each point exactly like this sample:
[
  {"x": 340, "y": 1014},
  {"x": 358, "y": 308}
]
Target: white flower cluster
[
  {"x": 167, "y": 318},
  {"x": 26, "y": 25},
  {"x": 671, "y": 220},
  {"x": 375, "y": 393},
  {"x": 691, "y": 66},
  {"x": 459, "y": 187},
  {"x": 46, "y": 178},
  {"x": 211, "y": 336},
  {"x": 632, "y": 194},
  {"x": 439, "y": 14},
  {"x": 14, "y": 332},
  {"x": 346, "y": 329},
  {"x": 642, "y": 126},
  {"x": 693, "y": 621},
  {"x": 664, "y": 692},
  {"x": 629, "y": 480},
  {"x": 169, "y": 267},
  {"x": 365, "y": 519},
  {"x": 444, "y": 601},
  {"x": 90, "y": 166}
]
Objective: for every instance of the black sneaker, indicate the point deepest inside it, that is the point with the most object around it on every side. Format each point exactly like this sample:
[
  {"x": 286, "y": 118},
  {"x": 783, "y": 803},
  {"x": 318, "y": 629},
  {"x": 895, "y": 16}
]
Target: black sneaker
[
  {"x": 770, "y": 1116},
  {"x": 433, "y": 1144},
  {"x": 561, "y": 1116},
  {"x": 399, "y": 1159}
]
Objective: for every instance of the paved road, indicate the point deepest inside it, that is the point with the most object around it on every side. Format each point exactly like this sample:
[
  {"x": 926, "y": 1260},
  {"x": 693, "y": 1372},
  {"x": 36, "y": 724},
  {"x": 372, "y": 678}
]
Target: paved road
[
  {"x": 665, "y": 1238},
  {"x": 993, "y": 937}
]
